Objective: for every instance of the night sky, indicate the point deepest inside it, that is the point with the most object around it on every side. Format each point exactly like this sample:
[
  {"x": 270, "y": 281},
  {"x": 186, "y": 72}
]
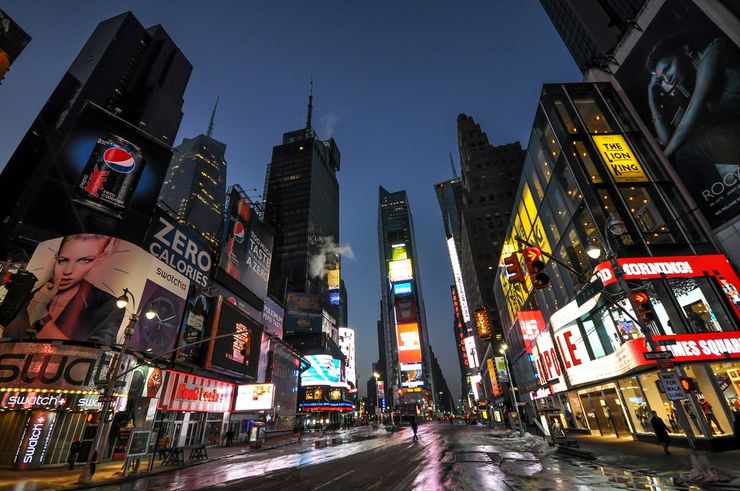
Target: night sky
[{"x": 390, "y": 79}]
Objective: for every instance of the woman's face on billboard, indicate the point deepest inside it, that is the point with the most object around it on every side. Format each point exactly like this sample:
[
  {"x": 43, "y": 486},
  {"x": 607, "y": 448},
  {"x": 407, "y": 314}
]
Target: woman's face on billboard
[
  {"x": 670, "y": 71},
  {"x": 76, "y": 258}
]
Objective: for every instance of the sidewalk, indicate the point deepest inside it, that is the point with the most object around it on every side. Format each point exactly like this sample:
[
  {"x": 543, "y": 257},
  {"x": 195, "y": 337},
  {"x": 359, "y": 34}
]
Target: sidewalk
[
  {"x": 110, "y": 472},
  {"x": 627, "y": 454}
]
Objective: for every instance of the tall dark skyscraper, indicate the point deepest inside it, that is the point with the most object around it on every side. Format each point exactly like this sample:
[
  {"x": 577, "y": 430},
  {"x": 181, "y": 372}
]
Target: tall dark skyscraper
[
  {"x": 592, "y": 29},
  {"x": 137, "y": 74},
  {"x": 302, "y": 205},
  {"x": 407, "y": 353},
  {"x": 195, "y": 186},
  {"x": 445, "y": 401}
]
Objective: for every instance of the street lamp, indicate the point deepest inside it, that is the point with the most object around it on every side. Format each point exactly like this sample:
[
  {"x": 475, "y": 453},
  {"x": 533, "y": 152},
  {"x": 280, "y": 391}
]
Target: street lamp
[
  {"x": 377, "y": 396},
  {"x": 121, "y": 303},
  {"x": 502, "y": 349}
]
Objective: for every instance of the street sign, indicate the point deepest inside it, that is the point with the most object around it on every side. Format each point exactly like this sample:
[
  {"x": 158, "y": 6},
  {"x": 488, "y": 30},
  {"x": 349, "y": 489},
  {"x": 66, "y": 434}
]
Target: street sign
[
  {"x": 664, "y": 364},
  {"x": 666, "y": 342},
  {"x": 658, "y": 355},
  {"x": 589, "y": 291},
  {"x": 672, "y": 386}
]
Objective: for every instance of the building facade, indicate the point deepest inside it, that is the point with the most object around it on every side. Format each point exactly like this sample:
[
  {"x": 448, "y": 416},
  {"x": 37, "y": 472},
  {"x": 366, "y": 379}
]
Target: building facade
[
  {"x": 408, "y": 371},
  {"x": 577, "y": 349}
]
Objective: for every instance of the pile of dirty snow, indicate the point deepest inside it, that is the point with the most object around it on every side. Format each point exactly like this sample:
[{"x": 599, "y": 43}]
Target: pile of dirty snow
[
  {"x": 704, "y": 472},
  {"x": 524, "y": 443}
]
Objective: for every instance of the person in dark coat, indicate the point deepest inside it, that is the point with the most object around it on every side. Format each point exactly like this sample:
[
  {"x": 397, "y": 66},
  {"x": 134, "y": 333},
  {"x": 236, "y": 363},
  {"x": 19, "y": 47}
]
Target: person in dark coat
[
  {"x": 74, "y": 451},
  {"x": 414, "y": 427},
  {"x": 661, "y": 431}
]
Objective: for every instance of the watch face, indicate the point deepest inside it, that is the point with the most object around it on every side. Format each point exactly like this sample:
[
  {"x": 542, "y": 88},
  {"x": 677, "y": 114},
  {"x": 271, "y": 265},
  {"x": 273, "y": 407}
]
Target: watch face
[{"x": 159, "y": 334}]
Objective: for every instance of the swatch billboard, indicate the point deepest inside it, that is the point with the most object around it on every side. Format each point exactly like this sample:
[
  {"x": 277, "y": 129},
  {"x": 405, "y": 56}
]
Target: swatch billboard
[
  {"x": 682, "y": 77},
  {"x": 247, "y": 252},
  {"x": 79, "y": 279}
]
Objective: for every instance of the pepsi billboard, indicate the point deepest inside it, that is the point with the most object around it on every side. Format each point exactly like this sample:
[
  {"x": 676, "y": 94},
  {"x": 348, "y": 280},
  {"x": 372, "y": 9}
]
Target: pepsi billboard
[
  {"x": 105, "y": 179},
  {"x": 247, "y": 252}
]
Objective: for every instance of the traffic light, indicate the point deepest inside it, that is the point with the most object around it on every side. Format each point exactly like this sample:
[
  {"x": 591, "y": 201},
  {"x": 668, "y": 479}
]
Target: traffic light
[
  {"x": 536, "y": 267},
  {"x": 644, "y": 307},
  {"x": 514, "y": 269}
]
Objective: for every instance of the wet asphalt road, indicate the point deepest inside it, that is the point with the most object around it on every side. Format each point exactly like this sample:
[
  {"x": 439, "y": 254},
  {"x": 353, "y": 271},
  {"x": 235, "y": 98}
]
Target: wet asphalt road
[{"x": 444, "y": 458}]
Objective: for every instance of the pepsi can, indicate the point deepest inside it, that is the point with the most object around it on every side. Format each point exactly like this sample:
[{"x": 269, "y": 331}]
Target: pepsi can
[{"x": 110, "y": 176}]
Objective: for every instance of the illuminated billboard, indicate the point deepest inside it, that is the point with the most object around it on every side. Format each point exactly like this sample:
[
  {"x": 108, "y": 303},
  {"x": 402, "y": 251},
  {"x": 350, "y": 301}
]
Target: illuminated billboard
[
  {"x": 495, "y": 387},
  {"x": 457, "y": 275},
  {"x": 82, "y": 276},
  {"x": 347, "y": 345},
  {"x": 472, "y": 351},
  {"x": 400, "y": 270},
  {"x": 482, "y": 323},
  {"x": 398, "y": 252},
  {"x": 683, "y": 83},
  {"x": 405, "y": 311},
  {"x": 334, "y": 297},
  {"x": 409, "y": 344},
  {"x": 332, "y": 278},
  {"x": 402, "y": 288},
  {"x": 501, "y": 372},
  {"x": 619, "y": 158},
  {"x": 531, "y": 324},
  {"x": 240, "y": 343},
  {"x": 323, "y": 370},
  {"x": 254, "y": 397}
]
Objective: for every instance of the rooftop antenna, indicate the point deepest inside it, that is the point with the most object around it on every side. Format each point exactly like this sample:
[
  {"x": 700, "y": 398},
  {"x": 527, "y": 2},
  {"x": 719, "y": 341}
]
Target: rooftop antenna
[
  {"x": 213, "y": 115},
  {"x": 310, "y": 105},
  {"x": 454, "y": 171}
]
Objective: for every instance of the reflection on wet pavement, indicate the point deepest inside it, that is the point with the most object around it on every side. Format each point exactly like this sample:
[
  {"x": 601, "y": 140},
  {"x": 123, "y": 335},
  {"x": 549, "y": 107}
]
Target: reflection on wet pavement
[{"x": 444, "y": 458}]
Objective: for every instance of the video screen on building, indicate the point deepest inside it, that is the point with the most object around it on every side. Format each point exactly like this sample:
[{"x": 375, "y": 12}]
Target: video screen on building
[
  {"x": 324, "y": 370},
  {"x": 254, "y": 397},
  {"x": 681, "y": 76},
  {"x": 400, "y": 270},
  {"x": 398, "y": 252},
  {"x": 409, "y": 344},
  {"x": 402, "y": 288},
  {"x": 239, "y": 348}
]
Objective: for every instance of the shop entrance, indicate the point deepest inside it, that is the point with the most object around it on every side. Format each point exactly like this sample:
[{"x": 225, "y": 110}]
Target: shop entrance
[{"x": 604, "y": 411}]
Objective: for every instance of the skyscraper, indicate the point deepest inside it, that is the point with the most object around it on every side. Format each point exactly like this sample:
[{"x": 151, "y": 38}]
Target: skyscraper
[
  {"x": 195, "y": 185},
  {"x": 408, "y": 357},
  {"x": 136, "y": 74},
  {"x": 302, "y": 205}
]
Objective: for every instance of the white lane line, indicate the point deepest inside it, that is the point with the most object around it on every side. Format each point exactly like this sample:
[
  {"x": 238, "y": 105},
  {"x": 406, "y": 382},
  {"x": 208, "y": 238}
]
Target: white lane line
[{"x": 335, "y": 479}]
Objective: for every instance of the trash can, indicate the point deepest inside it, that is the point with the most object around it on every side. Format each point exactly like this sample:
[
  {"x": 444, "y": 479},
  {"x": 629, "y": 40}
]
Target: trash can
[{"x": 257, "y": 435}]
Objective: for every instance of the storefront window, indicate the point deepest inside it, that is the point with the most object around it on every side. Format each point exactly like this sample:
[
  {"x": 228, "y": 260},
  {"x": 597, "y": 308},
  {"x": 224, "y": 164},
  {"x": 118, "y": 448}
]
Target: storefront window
[
  {"x": 700, "y": 305},
  {"x": 604, "y": 410},
  {"x": 578, "y": 417},
  {"x": 637, "y": 405},
  {"x": 709, "y": 402},
  {"x": 727, "y": 376},
  {"x": 658, "y": 402}
]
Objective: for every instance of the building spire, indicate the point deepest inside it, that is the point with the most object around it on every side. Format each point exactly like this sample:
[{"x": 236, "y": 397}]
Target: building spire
[
  {"x": 213, "y": 115},
  {"x": 310, "y": 105},
  {"x": 454, "y": 171}
]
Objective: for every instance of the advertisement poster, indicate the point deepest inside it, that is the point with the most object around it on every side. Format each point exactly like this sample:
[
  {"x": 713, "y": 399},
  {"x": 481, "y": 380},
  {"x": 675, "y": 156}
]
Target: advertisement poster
[
  {"x": 79, "y": 279},
  {"x": 179, "y": 247},
  {"x": 303, "y": 313},
  {"x": 195, "y": 320},
  {"x": 324, "y": 370},
  {"x": 409, "y": 345},
  {"x": 272, "y": 317},
  {"x": 32, "y": 447},
  {"x": 247, "y": 251},
  {"x": 254, "y": 397},
  {"x": 682, "y": 77},
  {"x": 239, "y": 350},
  {"x": 106, "y": 180}
]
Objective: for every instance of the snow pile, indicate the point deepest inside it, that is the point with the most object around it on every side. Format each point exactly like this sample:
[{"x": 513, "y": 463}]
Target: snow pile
[
  {"x": 704, "y": 472},
  {"x": 525, "y": 443}
]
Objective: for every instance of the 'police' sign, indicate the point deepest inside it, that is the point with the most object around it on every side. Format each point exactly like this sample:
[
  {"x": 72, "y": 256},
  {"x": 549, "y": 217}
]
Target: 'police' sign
[{"x": 179, "y": 247}]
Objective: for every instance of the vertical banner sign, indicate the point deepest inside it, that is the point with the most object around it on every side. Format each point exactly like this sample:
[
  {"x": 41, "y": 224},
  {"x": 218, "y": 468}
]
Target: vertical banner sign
[
  {"x": 501, "y": 372},
  {"x": 482, "y": 323},
  {"x": 31, "y": 449}
]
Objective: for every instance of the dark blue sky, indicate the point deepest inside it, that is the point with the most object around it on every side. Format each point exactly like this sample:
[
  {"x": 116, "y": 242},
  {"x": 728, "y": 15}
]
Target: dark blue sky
[{"x": 390, "y": 80}]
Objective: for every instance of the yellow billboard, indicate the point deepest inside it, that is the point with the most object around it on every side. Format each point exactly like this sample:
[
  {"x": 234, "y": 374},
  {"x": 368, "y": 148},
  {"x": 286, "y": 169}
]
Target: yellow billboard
[
  {"x": 619, "y": 158},
  {"x": 332, "y": 278},
  {"x": 400, "y": 270}
]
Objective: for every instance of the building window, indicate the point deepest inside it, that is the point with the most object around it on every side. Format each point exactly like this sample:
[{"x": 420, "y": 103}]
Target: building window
[
  {"x": 649, "y": 219},
  {"x": 591, "y": 111}
]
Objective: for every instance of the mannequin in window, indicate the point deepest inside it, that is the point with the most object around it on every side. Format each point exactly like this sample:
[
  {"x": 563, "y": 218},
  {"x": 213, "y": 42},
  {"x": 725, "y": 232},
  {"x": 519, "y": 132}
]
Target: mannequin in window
[{"x": 671, "y": 413}]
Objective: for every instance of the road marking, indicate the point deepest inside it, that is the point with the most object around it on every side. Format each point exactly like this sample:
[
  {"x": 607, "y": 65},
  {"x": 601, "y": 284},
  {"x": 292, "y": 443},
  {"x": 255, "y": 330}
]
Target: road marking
[{"x": 335, "y": 479}]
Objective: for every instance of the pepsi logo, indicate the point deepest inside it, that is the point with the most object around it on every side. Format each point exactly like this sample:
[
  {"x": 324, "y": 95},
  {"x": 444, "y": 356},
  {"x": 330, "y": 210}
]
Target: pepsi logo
[
  {"x": 238, "y": 232},
  {"x": 119, "y": 160}
]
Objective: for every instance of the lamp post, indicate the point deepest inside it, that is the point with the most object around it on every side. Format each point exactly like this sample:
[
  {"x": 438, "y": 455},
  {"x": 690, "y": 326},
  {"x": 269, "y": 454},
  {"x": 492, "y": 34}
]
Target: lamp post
[
  {"x": 503, "y": 350},
  {"x": 377, "y": 396},
  {"x": 121, "y": 303}
]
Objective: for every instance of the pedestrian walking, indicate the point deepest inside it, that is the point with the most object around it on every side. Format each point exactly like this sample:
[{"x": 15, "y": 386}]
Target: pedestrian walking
[
  {"x": 229, "y": 437},
  {"x": 414, "y": 427},
  {"x": 74, "y": 451},
  {"x": 93, "y": 463},
  {"x": 661, "y": 431}
]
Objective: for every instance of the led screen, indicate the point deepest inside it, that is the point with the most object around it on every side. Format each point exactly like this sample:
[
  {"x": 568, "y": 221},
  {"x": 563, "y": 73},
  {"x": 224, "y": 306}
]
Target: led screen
[
  {"x": 254, "y": 397},
  {"x": 398, "y": 251},
  {"x": 400, "y": 270},
  {"x": 409, "y": 345},
  {"x": 402, "y": 288},
  {"x": 324, "y": 370}
]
